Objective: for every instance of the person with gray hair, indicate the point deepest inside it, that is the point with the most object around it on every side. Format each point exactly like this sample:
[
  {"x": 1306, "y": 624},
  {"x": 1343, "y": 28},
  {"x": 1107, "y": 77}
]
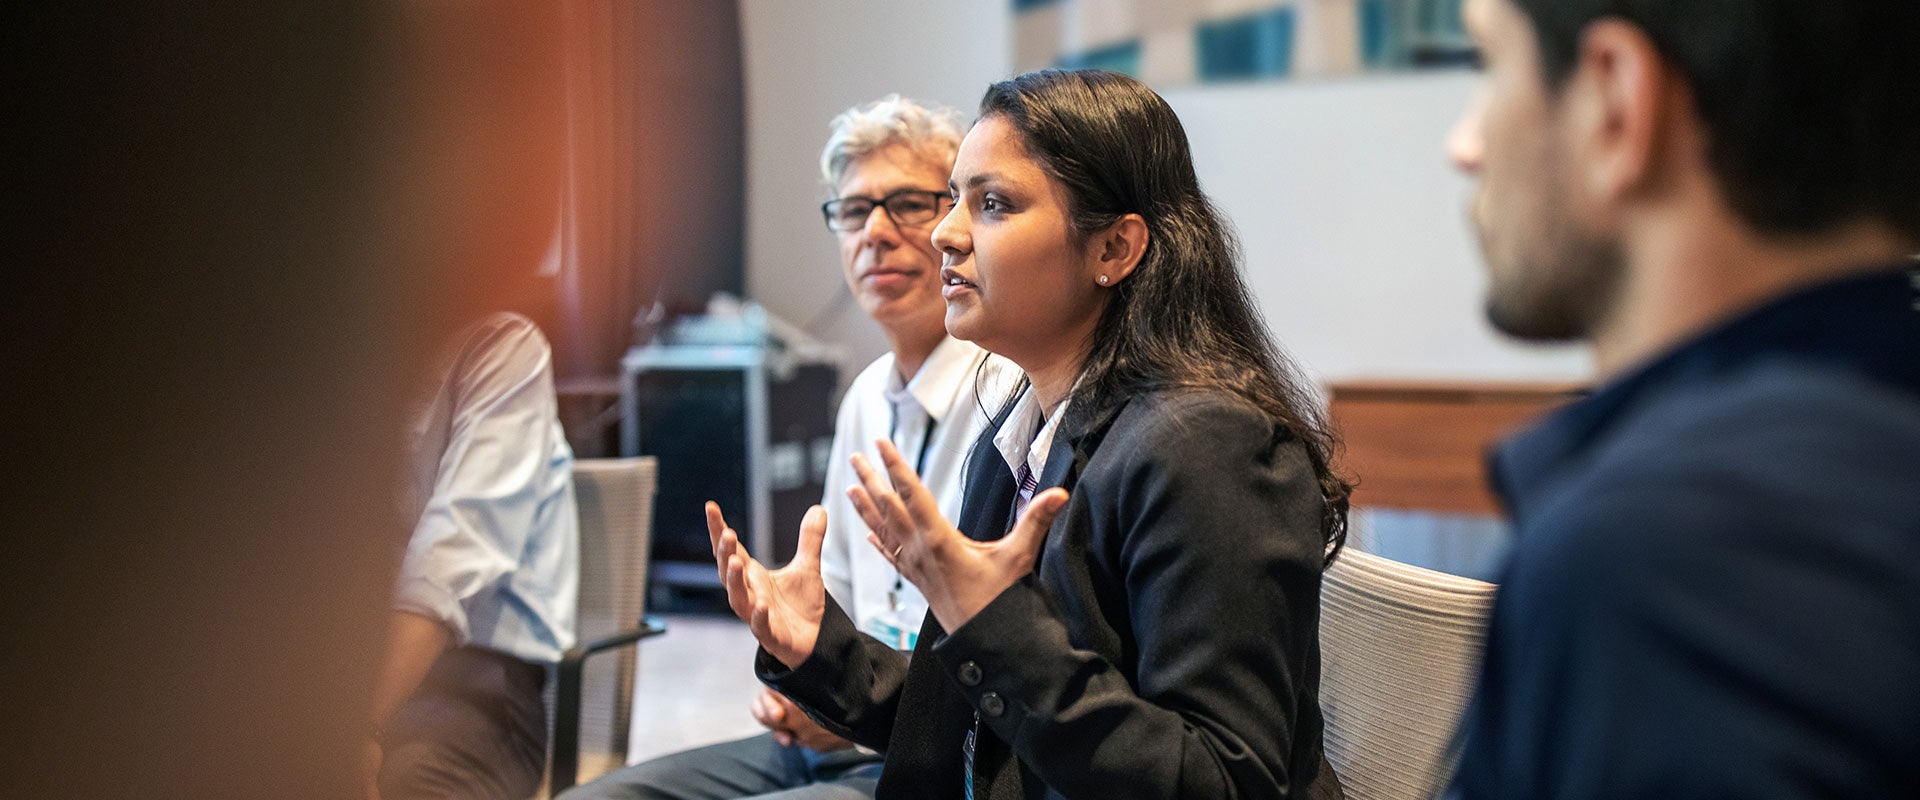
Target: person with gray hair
[
  {"x": 885, "y": 167},
  {"x": 932, "y": 134}
]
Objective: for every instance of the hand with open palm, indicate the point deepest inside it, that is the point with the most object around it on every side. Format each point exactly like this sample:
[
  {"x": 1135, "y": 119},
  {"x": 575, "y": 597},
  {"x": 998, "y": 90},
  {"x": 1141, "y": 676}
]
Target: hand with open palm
[
  {"x": 783, "y": 607},
  {"x": 958, "y": 576}
]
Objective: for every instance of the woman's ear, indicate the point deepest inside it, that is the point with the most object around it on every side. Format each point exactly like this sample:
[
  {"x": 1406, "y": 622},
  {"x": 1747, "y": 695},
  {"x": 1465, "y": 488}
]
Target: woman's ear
[{"x": 1118, "y": 249}]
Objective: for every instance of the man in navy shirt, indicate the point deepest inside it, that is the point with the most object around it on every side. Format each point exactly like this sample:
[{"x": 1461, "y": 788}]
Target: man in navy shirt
[{"x": 1715, "y": 589}]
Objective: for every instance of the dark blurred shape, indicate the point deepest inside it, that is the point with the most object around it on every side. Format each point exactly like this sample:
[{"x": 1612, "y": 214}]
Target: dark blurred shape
[
  {"x": 229, "y": 229},
  {"x": 738, "y": 414},
  {"x": 656, "y": 171}
]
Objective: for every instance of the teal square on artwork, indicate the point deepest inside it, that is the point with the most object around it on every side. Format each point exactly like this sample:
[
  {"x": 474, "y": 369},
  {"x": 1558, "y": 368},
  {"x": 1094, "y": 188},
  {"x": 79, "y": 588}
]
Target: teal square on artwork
[
  {"x": 1440, "y": 19},
  {"x": 1381, "y": 37},
  {"x": 1396, "y": 34},
  {"x": 1439, "y": 37},
  {"x": 1253, "y": 46},
  {"x": 1122, "y": 57}
]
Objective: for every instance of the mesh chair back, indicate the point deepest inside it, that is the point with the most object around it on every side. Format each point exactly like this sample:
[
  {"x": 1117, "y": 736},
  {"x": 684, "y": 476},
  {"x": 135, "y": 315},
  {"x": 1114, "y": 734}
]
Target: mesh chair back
[
  {"x": 615, "y": 497},
  {"x": 1399, "y": 649}
]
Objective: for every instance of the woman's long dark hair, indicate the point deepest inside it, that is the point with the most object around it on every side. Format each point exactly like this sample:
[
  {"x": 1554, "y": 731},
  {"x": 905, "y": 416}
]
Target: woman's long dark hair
[{"x": 1184, "y": 317}]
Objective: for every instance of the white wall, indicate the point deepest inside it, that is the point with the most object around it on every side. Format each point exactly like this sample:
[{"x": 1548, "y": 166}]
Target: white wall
[
  {"x": 1354, "y": 225},
  {"x": 1351, "y": 218}
]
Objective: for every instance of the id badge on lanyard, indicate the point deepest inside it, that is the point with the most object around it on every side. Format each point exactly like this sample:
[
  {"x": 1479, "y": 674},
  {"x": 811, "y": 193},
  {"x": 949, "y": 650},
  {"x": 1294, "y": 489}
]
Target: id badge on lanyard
[{"x": 898, "y": 627}]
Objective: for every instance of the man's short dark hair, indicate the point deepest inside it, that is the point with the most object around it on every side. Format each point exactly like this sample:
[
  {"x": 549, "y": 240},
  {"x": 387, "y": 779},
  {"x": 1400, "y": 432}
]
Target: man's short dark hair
[{"x": 1812, "y": 107}]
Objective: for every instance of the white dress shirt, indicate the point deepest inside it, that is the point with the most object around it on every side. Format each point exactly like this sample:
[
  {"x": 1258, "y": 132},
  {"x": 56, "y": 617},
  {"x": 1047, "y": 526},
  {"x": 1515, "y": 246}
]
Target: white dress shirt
[
  {"x": 1026, "y": 436},
  {"x": 495, "y": 553},
  {"x": 948, "y": 394}
]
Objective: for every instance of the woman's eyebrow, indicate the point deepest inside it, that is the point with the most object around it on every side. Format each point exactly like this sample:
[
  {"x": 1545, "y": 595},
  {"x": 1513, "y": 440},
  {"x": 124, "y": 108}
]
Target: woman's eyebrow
[{"x": 982, "y": 178}]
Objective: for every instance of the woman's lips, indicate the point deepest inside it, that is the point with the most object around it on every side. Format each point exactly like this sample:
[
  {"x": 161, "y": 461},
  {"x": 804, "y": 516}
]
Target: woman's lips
[{"x": 953, "y": 284}]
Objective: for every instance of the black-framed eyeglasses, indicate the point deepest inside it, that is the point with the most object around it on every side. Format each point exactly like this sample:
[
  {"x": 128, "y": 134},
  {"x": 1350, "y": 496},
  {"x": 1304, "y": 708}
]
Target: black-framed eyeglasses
[{"x": 906, "y": 207}]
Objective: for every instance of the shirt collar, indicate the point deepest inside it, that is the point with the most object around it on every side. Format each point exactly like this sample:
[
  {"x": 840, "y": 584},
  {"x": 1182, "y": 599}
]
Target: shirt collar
[
  {"x": 1026, "y": 437},
  {"x": 1869, "y": 323},
  {"x": 938, "y": 382}
]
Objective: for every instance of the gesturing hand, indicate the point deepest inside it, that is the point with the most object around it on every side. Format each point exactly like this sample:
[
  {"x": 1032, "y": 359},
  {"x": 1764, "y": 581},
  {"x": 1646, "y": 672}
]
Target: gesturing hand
[
  {"x": 783, "y": 607},
  {"x": 957, "y": 575}
]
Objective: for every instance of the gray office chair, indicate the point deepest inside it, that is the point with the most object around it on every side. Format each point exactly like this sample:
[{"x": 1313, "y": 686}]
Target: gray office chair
[
  {"x": 592, "y": 702},
  {"x": 1399, "y": 648}
]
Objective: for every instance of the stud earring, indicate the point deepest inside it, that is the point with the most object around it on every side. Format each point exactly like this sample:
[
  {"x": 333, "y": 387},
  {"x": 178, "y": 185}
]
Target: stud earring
[{"x": 1103, "y": 280}]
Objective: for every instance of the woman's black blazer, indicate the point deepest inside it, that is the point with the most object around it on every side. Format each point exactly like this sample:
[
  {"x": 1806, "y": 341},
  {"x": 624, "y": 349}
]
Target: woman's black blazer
[{"x": 1167, "y": 644}]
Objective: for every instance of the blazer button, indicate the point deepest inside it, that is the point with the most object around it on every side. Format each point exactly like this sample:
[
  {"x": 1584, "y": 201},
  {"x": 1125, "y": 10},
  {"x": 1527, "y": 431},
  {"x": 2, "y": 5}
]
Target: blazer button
[
  {"x": 970, "y": 674},
  {"x": 992, "y": 704}
]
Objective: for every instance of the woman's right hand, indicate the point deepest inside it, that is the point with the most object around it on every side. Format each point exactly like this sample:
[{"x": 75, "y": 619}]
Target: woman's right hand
[{"x": 783, "y": 607}]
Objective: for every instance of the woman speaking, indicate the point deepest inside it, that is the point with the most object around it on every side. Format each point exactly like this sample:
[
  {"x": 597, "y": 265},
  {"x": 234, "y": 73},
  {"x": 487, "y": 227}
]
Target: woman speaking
[{"x": 1129, "y": 603}]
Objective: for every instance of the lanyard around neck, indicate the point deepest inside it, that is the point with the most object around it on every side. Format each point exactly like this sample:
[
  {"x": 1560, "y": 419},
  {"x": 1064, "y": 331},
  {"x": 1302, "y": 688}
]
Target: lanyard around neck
[
  {"x": 919, "y": 471},
  {"x": 926, "y": 439}
]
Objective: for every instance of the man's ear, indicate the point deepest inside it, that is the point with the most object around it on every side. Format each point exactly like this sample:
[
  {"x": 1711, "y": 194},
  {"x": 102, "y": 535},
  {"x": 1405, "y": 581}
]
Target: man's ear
[
  {"x": 1621, "y": 101},
  {"x": 1118, "y": 249}
]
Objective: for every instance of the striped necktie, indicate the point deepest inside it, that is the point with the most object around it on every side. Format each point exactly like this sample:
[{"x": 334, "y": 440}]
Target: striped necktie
[{"x": 1028, "y": 483}]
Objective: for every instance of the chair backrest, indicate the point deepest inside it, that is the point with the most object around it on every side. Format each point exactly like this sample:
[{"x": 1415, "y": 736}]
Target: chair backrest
[
  {"x": 615, "y": 498},
  {"x": 1399, "y": 648}
]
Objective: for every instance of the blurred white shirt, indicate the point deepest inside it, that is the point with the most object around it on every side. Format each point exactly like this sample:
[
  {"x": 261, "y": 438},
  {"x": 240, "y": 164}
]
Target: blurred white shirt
[{"x": 495, "y": 554}]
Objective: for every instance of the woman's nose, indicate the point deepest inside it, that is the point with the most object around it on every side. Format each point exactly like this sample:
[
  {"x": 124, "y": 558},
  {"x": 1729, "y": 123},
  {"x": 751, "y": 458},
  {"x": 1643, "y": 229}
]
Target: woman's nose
[{"x": 952, "y": 234}]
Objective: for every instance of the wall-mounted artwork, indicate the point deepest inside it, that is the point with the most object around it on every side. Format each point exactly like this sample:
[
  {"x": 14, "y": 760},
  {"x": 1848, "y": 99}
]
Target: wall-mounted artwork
[{"x": 1176, "y": 42}]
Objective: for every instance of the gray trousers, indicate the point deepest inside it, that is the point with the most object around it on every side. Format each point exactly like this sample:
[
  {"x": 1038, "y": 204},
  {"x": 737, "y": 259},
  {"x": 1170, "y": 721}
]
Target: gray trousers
[
  {"x": 755, "y": 767},
  {"x": 476, "y": 728}
]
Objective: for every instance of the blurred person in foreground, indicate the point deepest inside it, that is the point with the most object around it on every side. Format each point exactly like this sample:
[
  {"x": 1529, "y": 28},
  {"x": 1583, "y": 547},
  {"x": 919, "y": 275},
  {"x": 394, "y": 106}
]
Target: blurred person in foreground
[
  {"x": 485, "y": 602},
  {"x": 484, "y": 542},
  {"x": 1715, "y": 590},
  {"x": 886, "y": 164}
]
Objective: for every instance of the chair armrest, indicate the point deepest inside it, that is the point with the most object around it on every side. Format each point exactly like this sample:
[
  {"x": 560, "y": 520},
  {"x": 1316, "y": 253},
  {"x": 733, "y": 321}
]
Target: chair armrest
[{"x": 566, "y": 698}]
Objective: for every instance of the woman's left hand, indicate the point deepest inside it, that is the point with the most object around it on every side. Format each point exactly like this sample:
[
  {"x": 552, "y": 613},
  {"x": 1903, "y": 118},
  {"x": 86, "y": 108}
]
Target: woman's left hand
[{"x": 957, "y": 575}]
